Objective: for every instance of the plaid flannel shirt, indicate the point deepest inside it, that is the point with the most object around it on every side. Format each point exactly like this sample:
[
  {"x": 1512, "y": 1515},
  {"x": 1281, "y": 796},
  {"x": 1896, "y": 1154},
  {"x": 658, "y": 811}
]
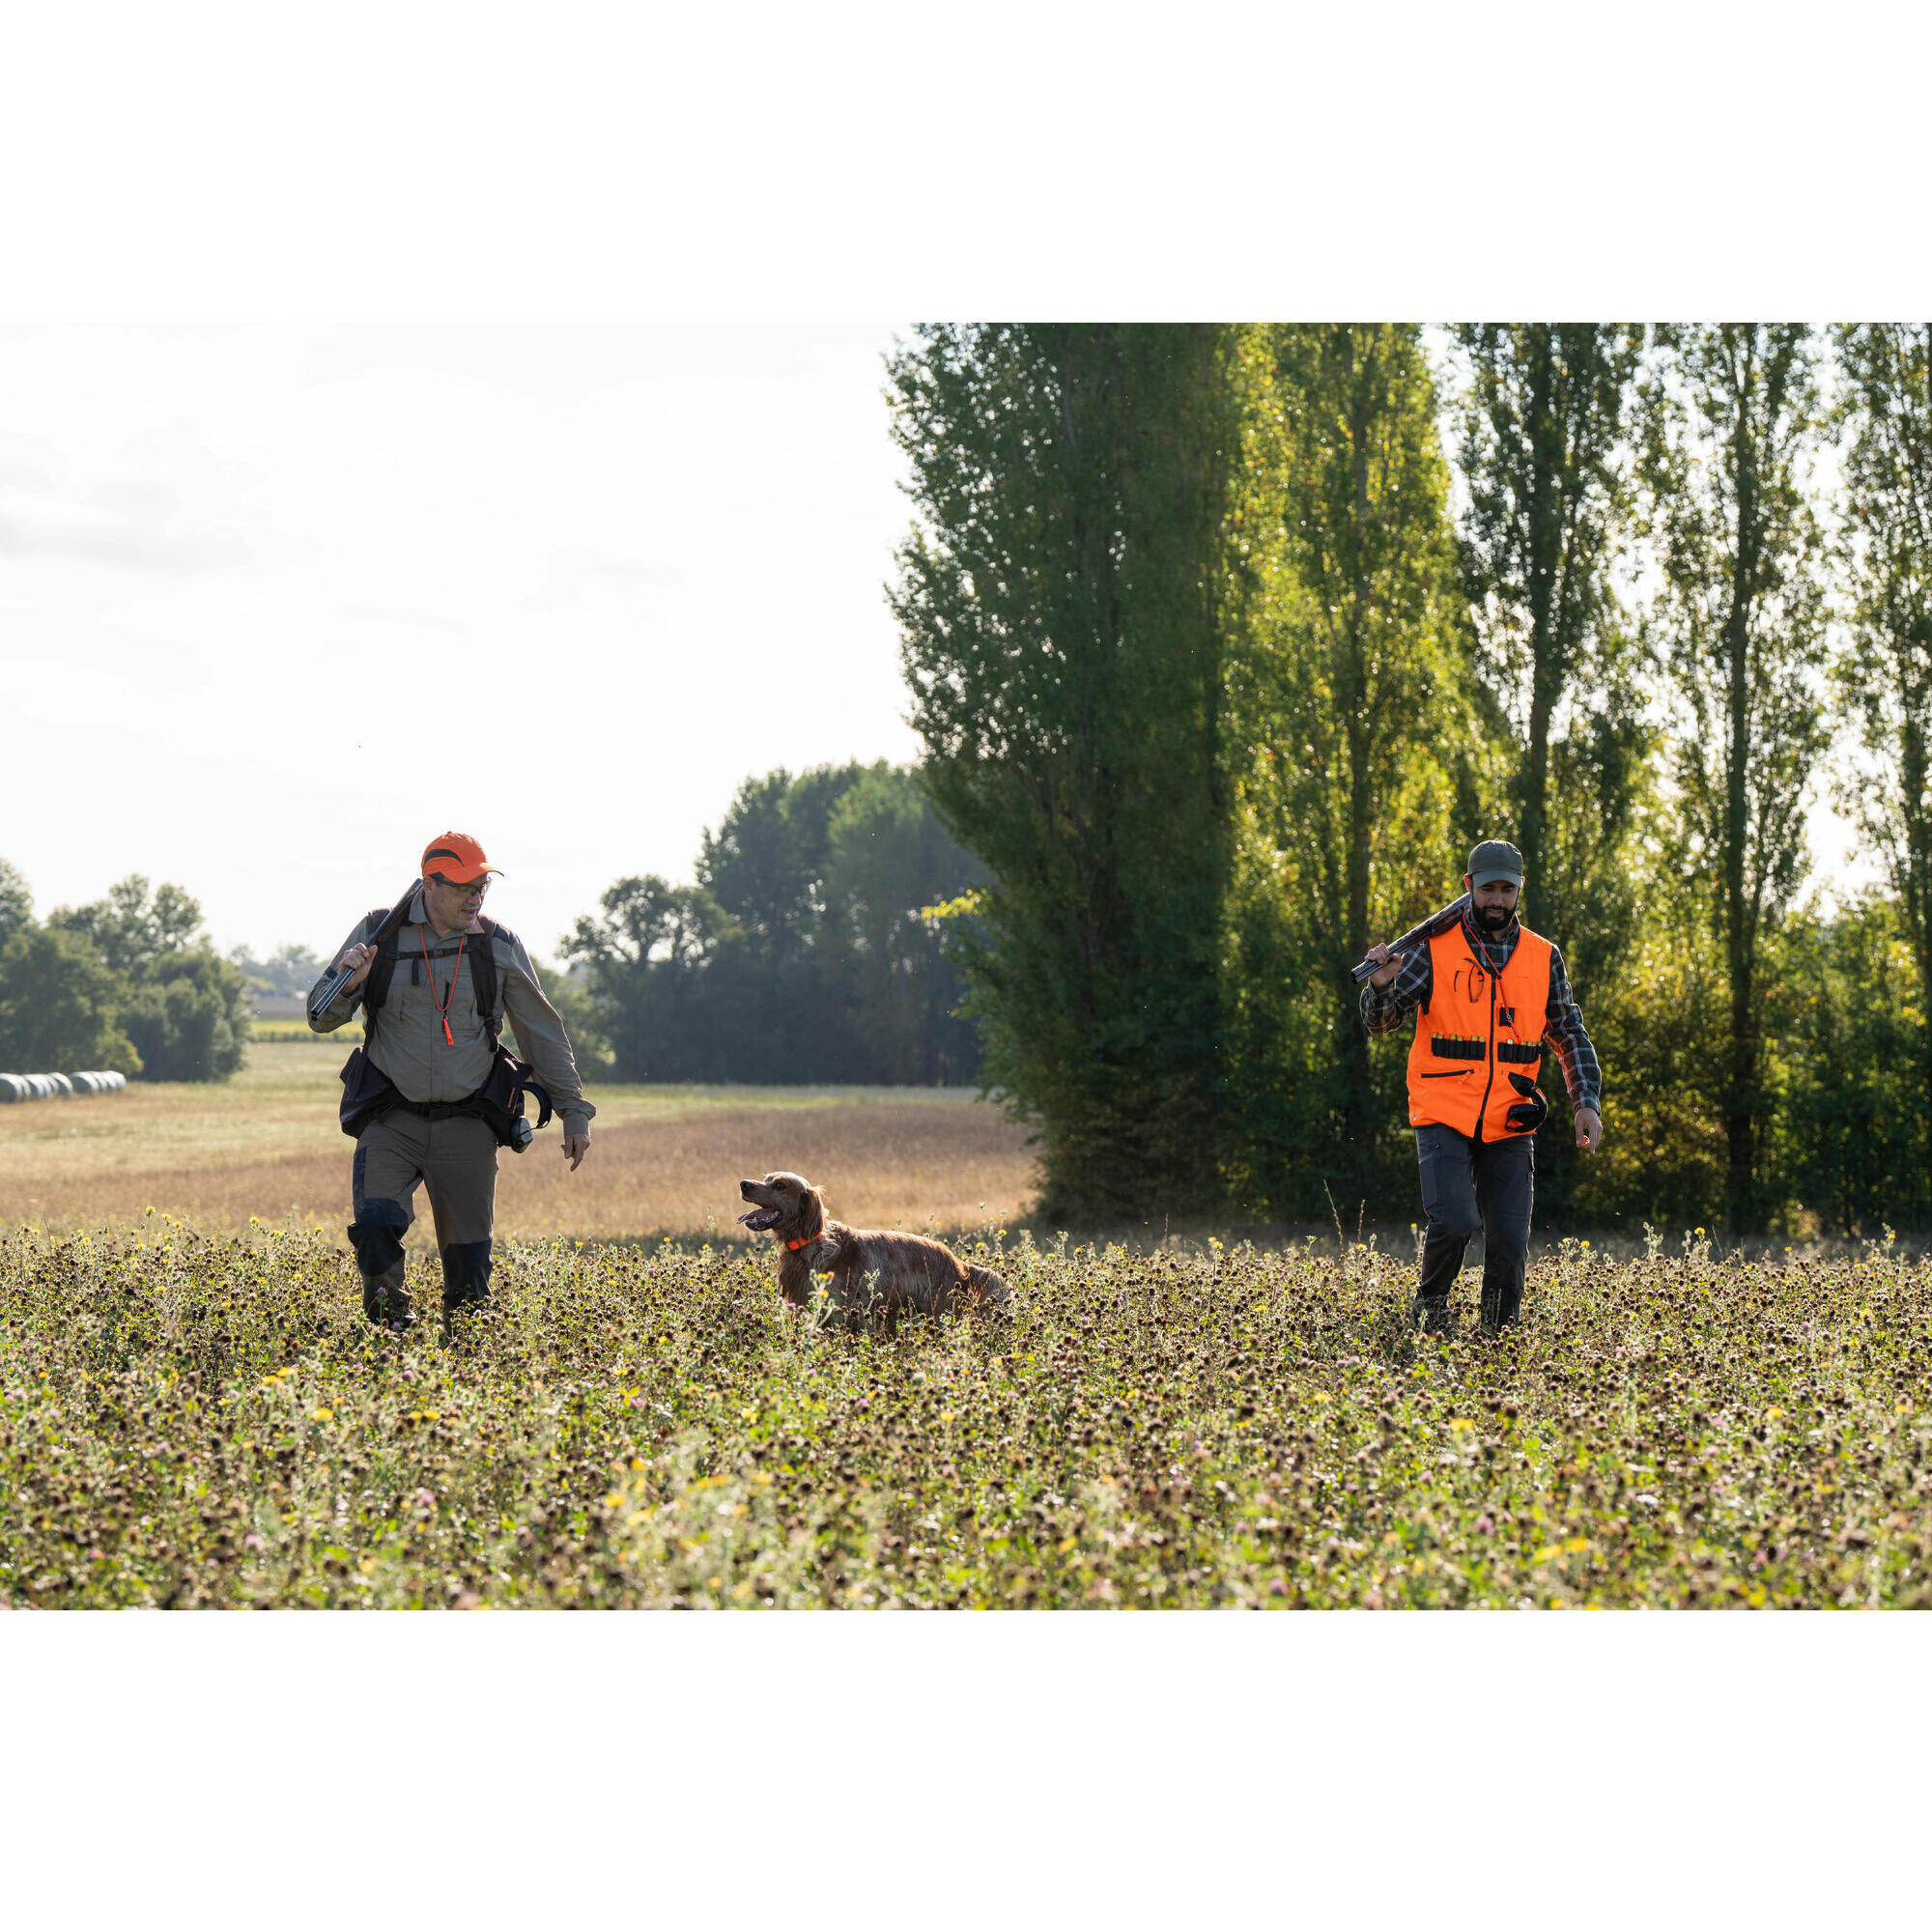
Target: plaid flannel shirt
[{"x": 1385, "y": 1008}]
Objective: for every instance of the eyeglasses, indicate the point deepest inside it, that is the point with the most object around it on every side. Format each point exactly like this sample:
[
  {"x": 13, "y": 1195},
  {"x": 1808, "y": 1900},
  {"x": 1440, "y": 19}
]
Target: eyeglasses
[{"x": 477, "y": 885}]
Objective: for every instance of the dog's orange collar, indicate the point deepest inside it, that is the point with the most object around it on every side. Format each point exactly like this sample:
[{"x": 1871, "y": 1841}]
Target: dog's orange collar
[{"x": 794, "y": 1246}]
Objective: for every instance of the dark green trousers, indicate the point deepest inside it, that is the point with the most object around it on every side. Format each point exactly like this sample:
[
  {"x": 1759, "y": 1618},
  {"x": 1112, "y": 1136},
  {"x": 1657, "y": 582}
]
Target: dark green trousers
[{"x": 1469, "y": 1185}]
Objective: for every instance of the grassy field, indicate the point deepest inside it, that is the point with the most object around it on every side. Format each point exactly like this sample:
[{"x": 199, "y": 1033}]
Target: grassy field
[
  {"x": 663, "y": 1160},
  {"x": 193, "y": 1410},
  {"x": 186, "y": 1421}
]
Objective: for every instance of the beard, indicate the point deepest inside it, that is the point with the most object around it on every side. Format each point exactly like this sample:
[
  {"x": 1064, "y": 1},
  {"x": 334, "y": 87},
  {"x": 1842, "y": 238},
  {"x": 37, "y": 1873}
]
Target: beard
[{"x": 1493, "y": 918}]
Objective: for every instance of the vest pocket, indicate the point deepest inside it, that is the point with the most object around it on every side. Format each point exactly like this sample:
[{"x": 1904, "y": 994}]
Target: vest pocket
[
  {"x": 1457, "y": 1047},
  {"x": 1452, "y": 1073},
  {"x": 1519, "y": 1051}
]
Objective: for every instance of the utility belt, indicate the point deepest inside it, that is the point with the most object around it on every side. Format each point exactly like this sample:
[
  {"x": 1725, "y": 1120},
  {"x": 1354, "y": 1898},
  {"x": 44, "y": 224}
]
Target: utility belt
[
  {"x": 437, "y": 1110},
  {"x": 368, "y": 1094}
]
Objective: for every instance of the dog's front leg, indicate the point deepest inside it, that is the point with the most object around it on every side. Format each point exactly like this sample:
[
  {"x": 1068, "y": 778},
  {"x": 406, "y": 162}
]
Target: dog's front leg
[{"x": 842, "y": 1304}]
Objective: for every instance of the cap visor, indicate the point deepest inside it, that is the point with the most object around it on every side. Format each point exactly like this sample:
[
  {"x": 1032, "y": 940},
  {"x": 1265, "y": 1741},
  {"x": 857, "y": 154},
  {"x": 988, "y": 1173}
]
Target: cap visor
[
  {"x": 1492, "y": 878},
  {"x": 461, "y": 875}
]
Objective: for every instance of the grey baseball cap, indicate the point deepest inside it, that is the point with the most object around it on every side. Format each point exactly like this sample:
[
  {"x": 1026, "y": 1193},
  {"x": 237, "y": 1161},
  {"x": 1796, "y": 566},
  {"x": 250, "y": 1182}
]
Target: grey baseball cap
[{"x": 1495, "y": 859}]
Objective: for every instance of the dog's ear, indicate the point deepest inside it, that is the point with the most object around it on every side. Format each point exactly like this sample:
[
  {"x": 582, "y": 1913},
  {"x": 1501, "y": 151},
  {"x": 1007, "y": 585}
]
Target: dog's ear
[{"x": 811, "y": 1215}]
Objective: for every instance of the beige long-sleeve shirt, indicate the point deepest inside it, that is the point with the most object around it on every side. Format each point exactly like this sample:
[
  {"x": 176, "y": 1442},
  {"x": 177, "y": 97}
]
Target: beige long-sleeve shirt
[{"x": 408, "y": 1043}]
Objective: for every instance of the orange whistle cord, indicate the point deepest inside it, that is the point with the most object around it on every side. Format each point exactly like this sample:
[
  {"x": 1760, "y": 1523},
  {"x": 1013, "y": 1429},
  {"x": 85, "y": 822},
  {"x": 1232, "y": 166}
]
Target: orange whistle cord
[{"x": 443, "y": 1004}]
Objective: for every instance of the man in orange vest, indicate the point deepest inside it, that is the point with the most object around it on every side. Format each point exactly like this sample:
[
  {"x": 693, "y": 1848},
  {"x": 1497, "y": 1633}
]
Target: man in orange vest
[{"x": 1487, "y": 994}]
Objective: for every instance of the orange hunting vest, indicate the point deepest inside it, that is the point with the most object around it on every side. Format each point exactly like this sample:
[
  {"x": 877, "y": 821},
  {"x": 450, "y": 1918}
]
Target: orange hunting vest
[{"x": 1477, "y": 1029}]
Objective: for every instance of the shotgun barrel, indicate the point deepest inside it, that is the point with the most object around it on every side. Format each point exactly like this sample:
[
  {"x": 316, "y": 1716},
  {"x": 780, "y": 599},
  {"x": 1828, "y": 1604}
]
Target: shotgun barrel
[
  {"x": 326, "y": 992},
  {"x": 1436, "y": 922}
]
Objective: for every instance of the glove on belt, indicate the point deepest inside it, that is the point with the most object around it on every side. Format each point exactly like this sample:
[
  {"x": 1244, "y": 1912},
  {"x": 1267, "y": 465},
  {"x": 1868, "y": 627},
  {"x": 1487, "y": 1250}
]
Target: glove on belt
[{"x": 1531, "y": 1110}]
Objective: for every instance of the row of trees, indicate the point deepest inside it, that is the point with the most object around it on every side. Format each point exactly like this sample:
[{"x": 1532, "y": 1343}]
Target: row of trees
[
  {"x": 804, "y": 951},
  {"x": 287, "y": 973},
  {"x": 1222, "y": 668},
  {"x": 809, "y": 948},
  {"x": 130, "y": 982}
]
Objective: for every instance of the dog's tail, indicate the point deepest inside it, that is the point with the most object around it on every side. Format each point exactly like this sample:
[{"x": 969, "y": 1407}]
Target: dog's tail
[{"x": 990, "y": 1292}]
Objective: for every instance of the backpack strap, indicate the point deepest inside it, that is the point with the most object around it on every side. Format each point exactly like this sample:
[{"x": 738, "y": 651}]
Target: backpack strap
[
  {"x": 385, "y": 939},
  {"x": 483, "y": 976}
]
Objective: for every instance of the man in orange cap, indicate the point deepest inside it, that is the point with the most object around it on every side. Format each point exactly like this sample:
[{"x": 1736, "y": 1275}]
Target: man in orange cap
[{"x": 436, "y": 981}]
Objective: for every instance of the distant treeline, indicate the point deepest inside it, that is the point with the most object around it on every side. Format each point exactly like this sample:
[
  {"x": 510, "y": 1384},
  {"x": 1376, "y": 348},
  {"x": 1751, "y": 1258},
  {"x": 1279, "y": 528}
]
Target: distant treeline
[
  {"x": 807, "y": 949},
  {"x": 130, "y": 982},
  {"x": 287, "y": 974},
  {"x": 1222, "y": 678}
]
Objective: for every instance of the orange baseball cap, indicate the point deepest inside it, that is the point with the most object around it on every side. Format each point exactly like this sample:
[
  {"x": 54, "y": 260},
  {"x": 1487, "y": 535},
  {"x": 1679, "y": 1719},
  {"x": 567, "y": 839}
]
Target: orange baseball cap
[{"x": 456, "y": 857}]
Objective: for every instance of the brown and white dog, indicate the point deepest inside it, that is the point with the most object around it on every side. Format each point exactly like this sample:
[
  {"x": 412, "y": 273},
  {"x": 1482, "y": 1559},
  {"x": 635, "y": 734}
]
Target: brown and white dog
[{"x": 874, "y": 1277}]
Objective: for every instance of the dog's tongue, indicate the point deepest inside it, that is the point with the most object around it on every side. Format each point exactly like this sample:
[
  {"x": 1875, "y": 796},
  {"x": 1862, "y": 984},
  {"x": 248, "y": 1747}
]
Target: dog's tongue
[{"x": 760, "y": 1219}]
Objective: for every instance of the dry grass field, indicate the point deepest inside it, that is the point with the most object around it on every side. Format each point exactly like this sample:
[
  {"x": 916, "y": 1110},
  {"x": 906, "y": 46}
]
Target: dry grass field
[{"x": 663, "y": 1160}]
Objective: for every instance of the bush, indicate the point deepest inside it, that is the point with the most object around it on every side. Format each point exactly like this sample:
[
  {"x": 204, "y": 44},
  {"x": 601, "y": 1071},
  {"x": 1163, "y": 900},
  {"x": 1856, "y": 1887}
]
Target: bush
[
  {"x": 188, "y": 1018},
  {"x": 185, "y": 1008},
  {"x": 57, "y": 1005}
]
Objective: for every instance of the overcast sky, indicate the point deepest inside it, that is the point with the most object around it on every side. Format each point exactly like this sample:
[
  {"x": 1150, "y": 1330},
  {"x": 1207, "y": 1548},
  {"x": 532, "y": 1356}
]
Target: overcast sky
[{"x": 276, "y": 605}]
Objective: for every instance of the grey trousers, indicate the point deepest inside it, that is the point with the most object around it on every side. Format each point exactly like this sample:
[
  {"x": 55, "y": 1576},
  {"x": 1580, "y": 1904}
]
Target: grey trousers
[
  {"x": 456, "y": 1161},
  {"x": 1469, "y": 1184}
]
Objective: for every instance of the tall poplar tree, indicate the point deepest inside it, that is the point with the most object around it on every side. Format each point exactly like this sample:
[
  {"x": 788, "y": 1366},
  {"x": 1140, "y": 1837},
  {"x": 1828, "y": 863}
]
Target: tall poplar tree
[
  {"x": 1731, "y": 421},
  {"x": 1364, "y": 760},
  {"x": 1885, "y": 675},
  {"x": 1542, "y": 448},
  {"x": 1058, "y": 607}
]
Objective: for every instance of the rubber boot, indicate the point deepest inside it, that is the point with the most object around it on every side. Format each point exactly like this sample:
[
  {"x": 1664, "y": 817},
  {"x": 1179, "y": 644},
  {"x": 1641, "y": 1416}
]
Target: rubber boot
[
  {"x": 376, "y": 1236},
  {"x": 386, "y": 1301},
  {"x": 465, "y": 1281},
  {"x": 1431, "y": 1318},
  {"x": 1502, "y": 1302}
]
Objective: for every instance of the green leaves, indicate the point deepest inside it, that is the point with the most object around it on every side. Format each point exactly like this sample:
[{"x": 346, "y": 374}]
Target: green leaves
[
  {"x": 802, "y": 952},
  {"x": 121, "y": 984},
  {"x": 1059, "y": 603},
  {"x": 1732, "y": 422},
  {"x": 57, "y": 1005},
  {"x": 1544, "y": 457}
]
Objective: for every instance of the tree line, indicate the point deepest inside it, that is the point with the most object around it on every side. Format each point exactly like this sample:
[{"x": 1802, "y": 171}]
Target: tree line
[
  {"x": 131, "y": 983},
  {"x": 1227, "y": 643},
  {"x": 807, "y": 948}
]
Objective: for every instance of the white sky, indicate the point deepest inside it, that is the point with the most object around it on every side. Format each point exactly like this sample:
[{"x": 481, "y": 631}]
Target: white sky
[{"x": 278, "y": 604}]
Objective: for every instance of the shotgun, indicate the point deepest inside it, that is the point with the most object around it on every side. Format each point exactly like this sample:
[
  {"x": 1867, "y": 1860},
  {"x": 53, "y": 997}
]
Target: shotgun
[
  {"x": 324, "y": 992},
  {"x": 327, "y": 989},
  {"x": 1436, "y": 922}
]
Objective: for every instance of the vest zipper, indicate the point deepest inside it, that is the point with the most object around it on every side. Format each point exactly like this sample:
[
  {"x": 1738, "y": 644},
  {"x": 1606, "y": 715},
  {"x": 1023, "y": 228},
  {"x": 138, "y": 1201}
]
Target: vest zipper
[{"x": 1483, "y": 1112}]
